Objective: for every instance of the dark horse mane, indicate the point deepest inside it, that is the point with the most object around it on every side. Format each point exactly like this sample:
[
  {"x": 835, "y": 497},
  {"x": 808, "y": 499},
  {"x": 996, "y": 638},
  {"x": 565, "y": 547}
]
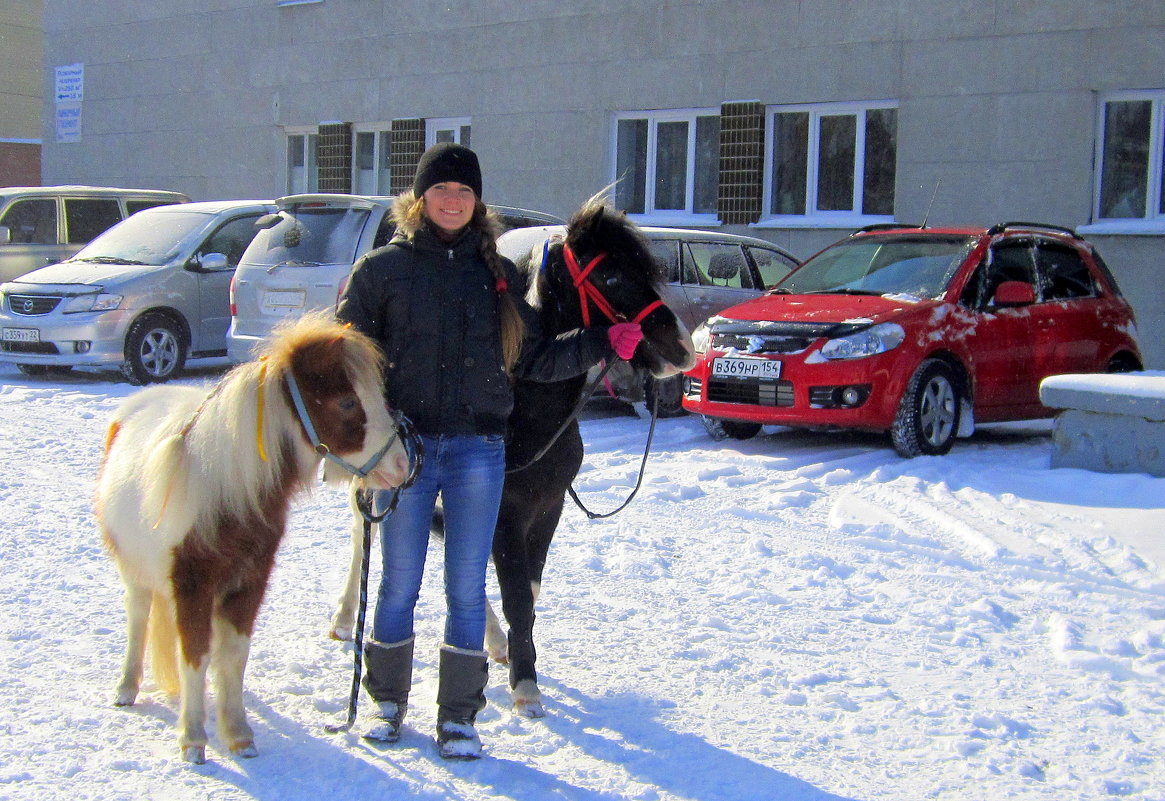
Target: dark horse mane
[{"x": 594, "y": 222}]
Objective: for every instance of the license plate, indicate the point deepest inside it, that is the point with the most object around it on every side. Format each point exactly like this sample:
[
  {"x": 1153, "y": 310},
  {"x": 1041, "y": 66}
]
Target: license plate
[
  {"x": 730, "y": 367},
  {"x": 283, "y": 301},
  {"x": 22, "y": 335}
]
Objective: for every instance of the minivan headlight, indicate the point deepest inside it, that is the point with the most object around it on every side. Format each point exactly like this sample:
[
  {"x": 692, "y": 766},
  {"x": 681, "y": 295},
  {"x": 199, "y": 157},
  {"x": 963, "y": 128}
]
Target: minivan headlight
[
  {"x": 869, "y": 342},
  {"x": 95, "y": 302}
]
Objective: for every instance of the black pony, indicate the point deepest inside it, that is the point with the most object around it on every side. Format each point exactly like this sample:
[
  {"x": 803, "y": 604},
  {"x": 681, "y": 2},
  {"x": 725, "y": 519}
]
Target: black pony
[{"x": 600, "y": 273}]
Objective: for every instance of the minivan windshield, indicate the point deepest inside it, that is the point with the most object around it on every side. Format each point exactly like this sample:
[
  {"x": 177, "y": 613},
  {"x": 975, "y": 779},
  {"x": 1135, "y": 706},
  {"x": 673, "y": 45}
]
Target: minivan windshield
[
  {"x": 310, "y": 235},
  {"x": 919, "y": 266},
  {"x": 145, "y": 238}
]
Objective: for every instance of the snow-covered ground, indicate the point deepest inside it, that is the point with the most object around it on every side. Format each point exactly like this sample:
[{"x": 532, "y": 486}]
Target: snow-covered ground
[{"x": 801, "y": 616}]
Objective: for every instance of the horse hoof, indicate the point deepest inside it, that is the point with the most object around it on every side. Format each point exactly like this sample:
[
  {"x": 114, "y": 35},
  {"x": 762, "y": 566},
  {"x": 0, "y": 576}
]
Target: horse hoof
[
  {"x": 125, "y": 699},
  {"x": 245, "y": 750},
  {"x": 529, "y": 709},
  {"x": 341, "y": 634},
  {"x": 194, "y": 754}
]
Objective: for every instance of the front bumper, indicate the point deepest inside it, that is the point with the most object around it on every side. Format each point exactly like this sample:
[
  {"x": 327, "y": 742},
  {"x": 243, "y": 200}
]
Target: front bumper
[
  {"x": 850, "y": 394},
  {"x": 82, "y": 339}
]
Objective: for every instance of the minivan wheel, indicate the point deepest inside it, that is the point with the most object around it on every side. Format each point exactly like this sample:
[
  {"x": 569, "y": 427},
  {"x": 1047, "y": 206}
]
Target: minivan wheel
[
  {"x": 668, "y": 393},
  {"x": 927, "y": 421},
  {"x": 720, "y": 429},
  {"x": 155, "y": 350}
]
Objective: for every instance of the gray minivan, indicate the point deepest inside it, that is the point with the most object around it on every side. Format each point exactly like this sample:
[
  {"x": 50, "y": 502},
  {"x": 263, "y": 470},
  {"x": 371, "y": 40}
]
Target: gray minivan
[
  {"x": 145, "y": 295},
  {"x": 42, "y": 225}
]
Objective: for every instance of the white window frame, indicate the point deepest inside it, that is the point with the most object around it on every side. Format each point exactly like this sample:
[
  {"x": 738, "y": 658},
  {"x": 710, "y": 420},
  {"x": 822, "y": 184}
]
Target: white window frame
[
  {"x": 652, "y": 216},
  {"x": 380, "y": 132},
  {"x": 813, "y": 217},
  {"x": 454, "y": 124},
  {"x": 1153, "y": 222},
  {"x": 311, "y": 168}
]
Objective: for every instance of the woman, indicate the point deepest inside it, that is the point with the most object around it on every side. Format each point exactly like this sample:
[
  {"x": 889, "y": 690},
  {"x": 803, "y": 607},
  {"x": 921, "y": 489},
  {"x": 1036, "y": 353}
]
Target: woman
[{"x": 448, "y": 312}]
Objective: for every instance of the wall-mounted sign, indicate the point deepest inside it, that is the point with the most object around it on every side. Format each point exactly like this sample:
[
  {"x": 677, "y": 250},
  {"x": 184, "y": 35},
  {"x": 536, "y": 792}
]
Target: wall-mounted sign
[
  {"x": 70, "y": 83},
  {"x": 68, "y": 122}
]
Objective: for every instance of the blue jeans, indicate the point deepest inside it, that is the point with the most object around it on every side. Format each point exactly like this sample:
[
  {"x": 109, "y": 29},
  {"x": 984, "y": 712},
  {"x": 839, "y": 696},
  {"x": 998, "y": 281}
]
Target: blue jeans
[{"x": 469, "y": 472}]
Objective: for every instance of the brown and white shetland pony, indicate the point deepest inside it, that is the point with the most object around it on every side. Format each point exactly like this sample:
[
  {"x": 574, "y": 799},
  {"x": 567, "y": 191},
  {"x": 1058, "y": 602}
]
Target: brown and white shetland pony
[{"x": 193, "y": 495}]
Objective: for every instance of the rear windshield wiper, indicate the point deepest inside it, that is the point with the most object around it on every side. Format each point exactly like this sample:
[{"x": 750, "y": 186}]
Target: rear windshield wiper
[{"x": 294, "y": 263}]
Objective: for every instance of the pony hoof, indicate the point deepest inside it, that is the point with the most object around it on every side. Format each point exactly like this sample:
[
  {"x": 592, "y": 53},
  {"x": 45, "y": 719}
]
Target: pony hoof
[
  {"x": 341, "y": 634},
  {"x": 529, "y": 709},
  {"x": 245, "y": 750},
  {"x": 194, "y": 754},
  {"x": 125, "y": 699}
]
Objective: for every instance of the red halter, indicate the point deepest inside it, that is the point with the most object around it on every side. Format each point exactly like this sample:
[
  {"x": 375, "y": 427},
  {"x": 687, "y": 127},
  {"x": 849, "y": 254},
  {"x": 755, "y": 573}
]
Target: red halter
[{"x": 588, "y": 291}]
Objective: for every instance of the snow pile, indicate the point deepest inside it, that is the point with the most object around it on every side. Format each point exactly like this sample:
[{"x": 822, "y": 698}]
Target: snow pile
[{"x": 800, "y": 616}]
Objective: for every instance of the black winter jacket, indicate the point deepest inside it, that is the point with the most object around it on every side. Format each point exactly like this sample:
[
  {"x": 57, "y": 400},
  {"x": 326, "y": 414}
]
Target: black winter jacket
[{"x": 433, "y": 308}]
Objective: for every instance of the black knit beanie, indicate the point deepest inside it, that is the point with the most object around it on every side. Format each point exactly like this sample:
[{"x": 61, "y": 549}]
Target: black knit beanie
[{"x": 447, "y": 161}]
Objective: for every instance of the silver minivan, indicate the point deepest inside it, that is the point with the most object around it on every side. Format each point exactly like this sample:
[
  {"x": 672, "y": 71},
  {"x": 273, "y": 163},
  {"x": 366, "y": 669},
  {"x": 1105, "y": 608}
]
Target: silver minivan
[
  {"x": 143, "y": 297},
  {"x": 302, "y": 256},
  {"x": 705, "y": 272},
  {"x": 42, "y": 225}
]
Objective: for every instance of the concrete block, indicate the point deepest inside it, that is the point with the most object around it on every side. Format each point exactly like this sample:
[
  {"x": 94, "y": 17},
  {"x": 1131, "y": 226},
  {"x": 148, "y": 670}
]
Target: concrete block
[{"x": 1111, "y": 423}]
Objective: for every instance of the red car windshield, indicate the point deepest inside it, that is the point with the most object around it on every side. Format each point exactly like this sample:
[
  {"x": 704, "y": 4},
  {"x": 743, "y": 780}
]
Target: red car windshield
[{"x": 919, "y": 266}]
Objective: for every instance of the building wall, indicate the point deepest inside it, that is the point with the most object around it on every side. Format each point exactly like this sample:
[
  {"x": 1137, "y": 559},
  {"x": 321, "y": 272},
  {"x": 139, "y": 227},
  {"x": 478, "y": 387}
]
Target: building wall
[
  {"x": 997, "y": 99},
  {"x": 21, "y": 49}
]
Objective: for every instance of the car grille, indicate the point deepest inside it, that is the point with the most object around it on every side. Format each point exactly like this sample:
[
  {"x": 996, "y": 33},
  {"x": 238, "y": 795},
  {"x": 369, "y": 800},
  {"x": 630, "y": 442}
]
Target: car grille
[
  {"x": 760, "y": 343},
  {"x": 750, "y": 391},
  {"x": 28, "y": 347},
  {"x": 32, "y": 305}
]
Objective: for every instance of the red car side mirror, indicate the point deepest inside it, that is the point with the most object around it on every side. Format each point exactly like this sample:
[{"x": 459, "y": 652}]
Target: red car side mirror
[{"x": 1014, "y": 293}]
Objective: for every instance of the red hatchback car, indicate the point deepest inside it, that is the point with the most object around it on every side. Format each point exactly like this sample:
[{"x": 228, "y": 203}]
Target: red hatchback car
[{"x": 921, "y": 332}]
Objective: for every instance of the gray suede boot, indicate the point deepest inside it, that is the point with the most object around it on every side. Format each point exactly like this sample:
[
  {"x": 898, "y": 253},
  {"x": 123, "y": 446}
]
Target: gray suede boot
[
  {"x": 388, "y": 677},
  {"x": 460, "y": 696}
]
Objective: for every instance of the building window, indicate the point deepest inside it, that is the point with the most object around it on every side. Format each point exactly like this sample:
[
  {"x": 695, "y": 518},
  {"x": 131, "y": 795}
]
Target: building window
[
  {"x": 831, "y": 162},
  {"x": 449, "y": 129},
  {"x": 1132, "y": 157},
  {"x": 302, "y": 172},
  {"x": 371, "y": 161},
  {"x": 667, "y": 164}
]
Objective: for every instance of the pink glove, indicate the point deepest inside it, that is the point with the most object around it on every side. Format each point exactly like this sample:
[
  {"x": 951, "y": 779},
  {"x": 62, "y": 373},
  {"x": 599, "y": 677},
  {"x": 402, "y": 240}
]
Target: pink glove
[{"x": 624, "y": 338}]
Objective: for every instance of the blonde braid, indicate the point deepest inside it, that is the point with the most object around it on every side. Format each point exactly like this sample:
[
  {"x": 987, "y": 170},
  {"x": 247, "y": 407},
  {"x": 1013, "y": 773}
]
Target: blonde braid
[{"x": 513, "y": 329}]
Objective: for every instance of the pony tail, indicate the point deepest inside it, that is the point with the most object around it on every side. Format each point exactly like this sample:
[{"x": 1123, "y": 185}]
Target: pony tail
[
  {"x": 513, "y": 328},
  {"x": 165, "y": 489},
  {"x": 162, "y": 635}
]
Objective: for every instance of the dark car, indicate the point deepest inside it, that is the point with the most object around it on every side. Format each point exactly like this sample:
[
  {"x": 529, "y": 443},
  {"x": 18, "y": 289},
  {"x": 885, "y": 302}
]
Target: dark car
[{"x": 921, "y": 332}]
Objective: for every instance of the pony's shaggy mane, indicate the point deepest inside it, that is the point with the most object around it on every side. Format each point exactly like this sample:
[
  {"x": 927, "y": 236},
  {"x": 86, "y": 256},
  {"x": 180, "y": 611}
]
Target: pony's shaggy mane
[
  {"x": 595, "y": 221},
  {"x": 185, "y": 494}
]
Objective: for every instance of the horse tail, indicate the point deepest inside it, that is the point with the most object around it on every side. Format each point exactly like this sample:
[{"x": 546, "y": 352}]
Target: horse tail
[
  {"x": 437, "y": 522},
  {"x": 162, "y": 635},
  {"x": 166, "y": 482}
]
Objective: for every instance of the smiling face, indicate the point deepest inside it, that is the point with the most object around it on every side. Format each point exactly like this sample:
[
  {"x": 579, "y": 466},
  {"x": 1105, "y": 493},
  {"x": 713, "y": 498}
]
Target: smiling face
[{"x": 449, "y": 205}]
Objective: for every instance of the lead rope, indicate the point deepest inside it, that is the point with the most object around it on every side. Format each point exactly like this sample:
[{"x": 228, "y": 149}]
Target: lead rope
[
  {"x": 638, "y": 482},
  {"x": 364, "y": 503}
]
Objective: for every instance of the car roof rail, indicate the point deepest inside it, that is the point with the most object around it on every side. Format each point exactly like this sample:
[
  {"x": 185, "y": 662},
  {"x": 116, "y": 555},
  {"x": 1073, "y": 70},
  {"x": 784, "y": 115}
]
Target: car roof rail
[
  {"x": 999, "y": 228},
  {"x": 885, "y": 227}
]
